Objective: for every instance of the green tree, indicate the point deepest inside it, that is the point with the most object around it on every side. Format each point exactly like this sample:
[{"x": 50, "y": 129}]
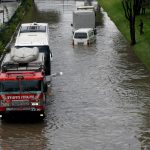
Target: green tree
[{"x": 144, "y": 5}]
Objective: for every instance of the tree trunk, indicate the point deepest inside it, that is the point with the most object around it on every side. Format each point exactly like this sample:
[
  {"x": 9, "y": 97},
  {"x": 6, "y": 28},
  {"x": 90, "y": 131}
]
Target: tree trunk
[
  {"x": 137, "y": 6},
  {"x": 132, "y": 30}
]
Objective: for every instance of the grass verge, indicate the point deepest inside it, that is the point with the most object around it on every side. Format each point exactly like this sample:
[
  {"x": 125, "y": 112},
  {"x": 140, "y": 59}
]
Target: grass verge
[{"x": 116, "y": 13}]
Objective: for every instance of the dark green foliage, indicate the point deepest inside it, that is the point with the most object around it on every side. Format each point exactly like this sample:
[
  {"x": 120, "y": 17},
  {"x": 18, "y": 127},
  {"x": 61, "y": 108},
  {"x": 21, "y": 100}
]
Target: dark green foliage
[
  {"x": 7, "y": 30},
  {"x": 1, "y": 47},
  {"x": 146, "y": 3}
]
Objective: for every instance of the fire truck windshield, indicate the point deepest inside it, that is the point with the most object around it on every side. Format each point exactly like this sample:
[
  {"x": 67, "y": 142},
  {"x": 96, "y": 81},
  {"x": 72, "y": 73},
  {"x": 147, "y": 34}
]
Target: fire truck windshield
[{"x": 20, "y": 85}]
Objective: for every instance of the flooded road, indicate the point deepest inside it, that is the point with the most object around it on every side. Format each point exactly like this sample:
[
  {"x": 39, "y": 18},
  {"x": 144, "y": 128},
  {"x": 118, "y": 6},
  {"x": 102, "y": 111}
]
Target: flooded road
[{"x": 102, "y": 100}]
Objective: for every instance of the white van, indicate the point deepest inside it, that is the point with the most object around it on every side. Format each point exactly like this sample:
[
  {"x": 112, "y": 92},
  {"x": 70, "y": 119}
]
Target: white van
[{"x": 83, "y": 36}]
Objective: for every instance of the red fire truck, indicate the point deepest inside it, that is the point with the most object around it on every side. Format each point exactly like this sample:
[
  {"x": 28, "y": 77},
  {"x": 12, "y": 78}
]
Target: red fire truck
[{"x": 23, "y": 84}]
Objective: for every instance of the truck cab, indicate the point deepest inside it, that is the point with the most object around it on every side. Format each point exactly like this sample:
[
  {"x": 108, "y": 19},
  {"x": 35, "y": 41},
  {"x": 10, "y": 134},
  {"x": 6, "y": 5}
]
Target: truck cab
[{"x": 22, "y": 92}]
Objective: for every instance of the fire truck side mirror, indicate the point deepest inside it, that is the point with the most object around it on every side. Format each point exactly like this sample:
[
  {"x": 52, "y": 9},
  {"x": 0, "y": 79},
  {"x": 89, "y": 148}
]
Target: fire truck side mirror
[{"x": 48, "y": 79}]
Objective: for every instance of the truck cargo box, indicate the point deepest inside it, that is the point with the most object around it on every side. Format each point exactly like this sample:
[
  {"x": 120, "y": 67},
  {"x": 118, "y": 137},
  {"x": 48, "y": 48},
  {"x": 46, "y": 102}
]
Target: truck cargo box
[{"x": 83, "y": 19}]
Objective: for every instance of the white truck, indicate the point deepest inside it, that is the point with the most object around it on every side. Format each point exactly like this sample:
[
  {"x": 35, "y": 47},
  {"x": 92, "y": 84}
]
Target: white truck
[
  {"x": 35, "y": 35},
  {"x": 83, "y": 19}
]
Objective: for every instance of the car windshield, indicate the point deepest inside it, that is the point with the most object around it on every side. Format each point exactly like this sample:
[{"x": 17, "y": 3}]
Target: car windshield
[
  {"x": 20, "y": 85},
  {"x": 80, "y": 35}
]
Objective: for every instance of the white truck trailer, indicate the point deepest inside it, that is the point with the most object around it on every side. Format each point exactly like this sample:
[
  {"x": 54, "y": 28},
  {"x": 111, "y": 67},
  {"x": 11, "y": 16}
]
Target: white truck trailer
[{"x": 83, "y": 19}]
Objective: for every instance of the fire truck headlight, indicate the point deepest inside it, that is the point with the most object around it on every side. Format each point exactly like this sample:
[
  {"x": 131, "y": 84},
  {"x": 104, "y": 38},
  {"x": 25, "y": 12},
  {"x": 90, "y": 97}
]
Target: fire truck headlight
[{"x": 34, "y": 104}]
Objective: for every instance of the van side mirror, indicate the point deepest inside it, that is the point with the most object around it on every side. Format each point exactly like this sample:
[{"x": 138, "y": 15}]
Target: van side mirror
[{"x": 71, "y": 25}]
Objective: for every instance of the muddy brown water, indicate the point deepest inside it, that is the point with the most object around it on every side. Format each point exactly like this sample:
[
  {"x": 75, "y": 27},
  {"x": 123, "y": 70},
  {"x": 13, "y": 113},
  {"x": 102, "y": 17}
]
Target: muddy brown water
[{"x": 102, "y": 100}]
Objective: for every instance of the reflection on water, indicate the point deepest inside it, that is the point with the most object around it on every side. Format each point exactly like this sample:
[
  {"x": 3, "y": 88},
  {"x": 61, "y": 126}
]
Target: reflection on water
[
  {"x": 22, "y": 136},
  {"x": 102, "y": 100}
]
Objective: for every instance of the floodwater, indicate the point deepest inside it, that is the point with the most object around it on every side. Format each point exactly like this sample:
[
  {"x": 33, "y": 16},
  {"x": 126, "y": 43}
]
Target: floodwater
[{"x": 102, "y": 100}]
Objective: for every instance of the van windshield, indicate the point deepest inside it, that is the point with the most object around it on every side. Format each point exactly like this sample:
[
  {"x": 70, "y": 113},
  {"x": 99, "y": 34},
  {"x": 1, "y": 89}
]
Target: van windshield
[{"x": 81, "y": 35}]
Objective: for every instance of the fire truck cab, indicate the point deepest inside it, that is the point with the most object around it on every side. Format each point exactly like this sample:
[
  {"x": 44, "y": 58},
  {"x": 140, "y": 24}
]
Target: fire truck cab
[{"x": 23, "y": 84}]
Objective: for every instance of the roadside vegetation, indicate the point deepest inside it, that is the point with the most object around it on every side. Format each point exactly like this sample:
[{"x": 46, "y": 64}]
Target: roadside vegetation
[
  {"x": 7, "y": 30},
  {"x": 116, "y": 12}
]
